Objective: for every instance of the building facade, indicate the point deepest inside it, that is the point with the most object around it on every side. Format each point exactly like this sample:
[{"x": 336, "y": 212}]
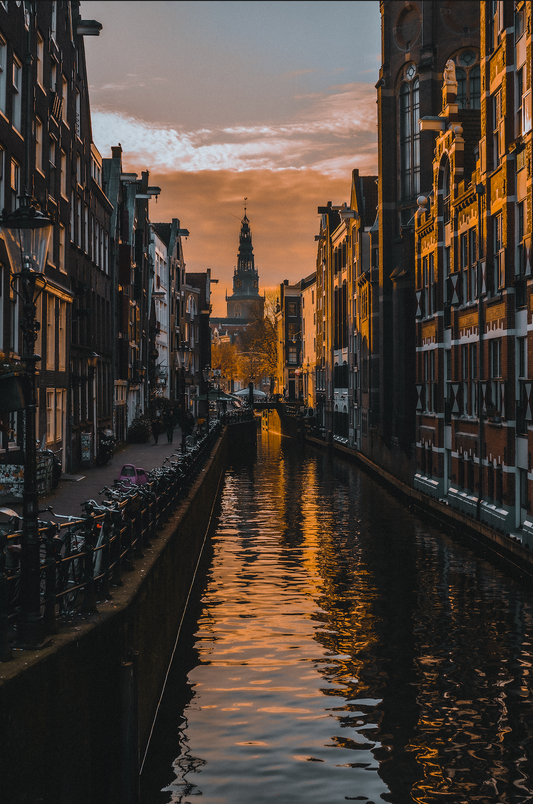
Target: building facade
[
  {"x": 104, "y": 352},
  {"x": 473, "y": 240}
]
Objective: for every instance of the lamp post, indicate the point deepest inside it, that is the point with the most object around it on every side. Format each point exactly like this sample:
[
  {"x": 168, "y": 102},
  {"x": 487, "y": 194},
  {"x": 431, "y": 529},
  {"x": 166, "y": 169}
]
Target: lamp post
[{"x": 27, "y": 234}]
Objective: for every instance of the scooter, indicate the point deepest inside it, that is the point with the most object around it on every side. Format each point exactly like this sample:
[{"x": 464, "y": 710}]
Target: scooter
[{"x": 106, "y": 448}]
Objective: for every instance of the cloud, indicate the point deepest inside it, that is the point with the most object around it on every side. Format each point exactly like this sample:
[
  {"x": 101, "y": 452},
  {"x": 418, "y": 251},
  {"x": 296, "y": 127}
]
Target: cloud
[{"x": 340, "y": 121}]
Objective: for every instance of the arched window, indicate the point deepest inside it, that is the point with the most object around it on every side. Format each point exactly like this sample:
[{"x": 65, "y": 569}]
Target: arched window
[
  {"x": 409, "y": 109},
  {"x": 468, "y": 79}
]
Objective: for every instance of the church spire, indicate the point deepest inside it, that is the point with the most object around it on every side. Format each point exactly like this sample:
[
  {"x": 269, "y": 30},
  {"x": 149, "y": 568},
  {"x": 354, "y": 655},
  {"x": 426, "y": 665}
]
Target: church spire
[
  {"x": 245, "y": 300},
  {"x": 245, "y": 256}
]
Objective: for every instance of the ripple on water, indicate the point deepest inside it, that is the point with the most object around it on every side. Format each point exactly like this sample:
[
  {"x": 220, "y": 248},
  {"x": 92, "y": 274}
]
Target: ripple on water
[{"x": 344, "y": 651}]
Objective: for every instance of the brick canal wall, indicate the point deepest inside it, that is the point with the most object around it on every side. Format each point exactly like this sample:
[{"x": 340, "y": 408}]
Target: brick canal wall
[{"x": 76, "y": 716}]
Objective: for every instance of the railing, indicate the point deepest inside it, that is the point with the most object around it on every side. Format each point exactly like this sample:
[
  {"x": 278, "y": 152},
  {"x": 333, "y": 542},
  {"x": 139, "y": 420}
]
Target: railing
[{"x": 83, "y": 557}]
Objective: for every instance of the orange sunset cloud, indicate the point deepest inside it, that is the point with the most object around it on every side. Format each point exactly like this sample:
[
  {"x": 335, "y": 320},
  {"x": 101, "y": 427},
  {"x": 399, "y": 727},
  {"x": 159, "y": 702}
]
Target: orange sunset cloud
[{"x": 281, "y": 206}]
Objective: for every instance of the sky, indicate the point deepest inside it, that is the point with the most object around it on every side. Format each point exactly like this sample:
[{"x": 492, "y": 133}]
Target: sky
[{"x": 220, "y": 101}]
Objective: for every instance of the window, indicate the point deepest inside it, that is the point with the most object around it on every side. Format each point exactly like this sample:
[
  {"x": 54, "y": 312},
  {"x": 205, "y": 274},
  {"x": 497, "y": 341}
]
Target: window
[
  {"x": 496, "y": 358},
  {"x": 15, "y": 182},
  {"x": 523, "y": 103},
  {"x": 64, "y": 97},
  {"x": 468, "y": 78},
  {"x": 78, "y": 223},
  {"x": 520, "y": 267},
  {"x": 72, "y": 218},
  {"x": 499, "y": 253},
  {"x": 3, "y": 76},
  {"x": 53, "y": 25},
  {"x": 63, "y": 174},
  {"x": 62, "y": 246},
  {"x": 465, "y": 379},
  {"x": 495, "y": 15},
  {"x": 521, "y": 349},
  {"x": 446, "y": 194},
  {"x": 53, "y": 158},
  {"x": 16, "y": 117},
  {"x": 409, "y": 136},
  {"x": 106, "y": 253},
  {"x": 78, "y": 113},
  {"x": 38, "y": 145},
  {"x": 62, "y": 342},
  {"x": 40, "y": 60},
  {"x": 53, "y": 75},
  {"x": 498, "y": 132},
  {"x": 465, "y": 265},
  {"x": 50, "y": 331},
  {"x": 472, "y": 249},
  {"x": 50, "y": 415},
  {"x": 496, "y": 400},
  {"x": 86, "y": 228},
  {"x": 429, "y": 380},
  {"x": 473, "y": 380},
  {"x": 428, "y": 286}
]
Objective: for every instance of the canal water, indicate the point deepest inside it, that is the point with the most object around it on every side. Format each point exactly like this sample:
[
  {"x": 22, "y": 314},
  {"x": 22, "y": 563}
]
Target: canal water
[{"x": 338, "y": 648}]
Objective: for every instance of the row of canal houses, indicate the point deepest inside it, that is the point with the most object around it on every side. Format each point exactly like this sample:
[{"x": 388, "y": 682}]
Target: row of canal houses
[
  {"x": 122, "y": 324},
  {"x": 413, "y": 339}
]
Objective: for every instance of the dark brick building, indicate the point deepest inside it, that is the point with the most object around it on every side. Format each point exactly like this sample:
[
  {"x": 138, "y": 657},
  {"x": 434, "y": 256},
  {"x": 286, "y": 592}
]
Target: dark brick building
[{"x": 417, "y": 40}]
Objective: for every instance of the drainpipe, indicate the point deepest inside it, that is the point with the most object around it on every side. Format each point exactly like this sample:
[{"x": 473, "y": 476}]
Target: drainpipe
[{"x": 480, "y": 192}]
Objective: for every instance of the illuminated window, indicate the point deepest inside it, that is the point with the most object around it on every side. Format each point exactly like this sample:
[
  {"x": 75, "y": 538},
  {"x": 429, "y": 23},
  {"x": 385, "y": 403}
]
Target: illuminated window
[
  {"x": 50, "y": 331},
  {"x": 499, "y": 253},
  {"x": 62, "y": 342},
  {"x": 498, "y": 122}
]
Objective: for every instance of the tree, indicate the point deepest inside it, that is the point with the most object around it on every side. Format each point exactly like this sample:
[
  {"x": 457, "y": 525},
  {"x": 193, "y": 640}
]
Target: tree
[
  {"x": 224, "y": 356},
  {"x": 259, "y": 343}
]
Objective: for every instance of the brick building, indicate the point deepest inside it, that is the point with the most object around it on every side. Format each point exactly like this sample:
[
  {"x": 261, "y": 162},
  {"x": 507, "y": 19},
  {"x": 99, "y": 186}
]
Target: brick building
[
  {"x": 46, "y": 148},
  {"x": 473, "y": 281},
  {"x": 417, "y": 41}
]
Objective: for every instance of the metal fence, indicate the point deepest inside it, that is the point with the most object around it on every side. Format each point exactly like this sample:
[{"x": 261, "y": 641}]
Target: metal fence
[{"x": 83, "y": 557}]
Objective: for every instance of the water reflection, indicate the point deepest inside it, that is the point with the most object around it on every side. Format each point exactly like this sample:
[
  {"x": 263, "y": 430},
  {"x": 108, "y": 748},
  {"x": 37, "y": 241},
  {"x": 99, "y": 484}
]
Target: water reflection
[{"x": 342, "y": 650}]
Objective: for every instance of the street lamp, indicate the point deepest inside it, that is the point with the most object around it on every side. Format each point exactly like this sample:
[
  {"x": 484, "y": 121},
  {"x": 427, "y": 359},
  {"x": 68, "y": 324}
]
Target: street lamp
[{"x": 27, "y": 235}]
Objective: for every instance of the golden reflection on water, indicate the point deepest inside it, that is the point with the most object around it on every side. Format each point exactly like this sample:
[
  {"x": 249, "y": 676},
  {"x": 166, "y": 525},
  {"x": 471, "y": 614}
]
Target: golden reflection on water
[{"x": 346, "y": 651}]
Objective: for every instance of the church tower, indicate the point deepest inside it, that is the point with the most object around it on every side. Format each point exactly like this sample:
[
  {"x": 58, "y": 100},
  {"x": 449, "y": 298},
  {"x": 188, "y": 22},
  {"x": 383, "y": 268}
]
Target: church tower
[{"x": 245, "y": 301}]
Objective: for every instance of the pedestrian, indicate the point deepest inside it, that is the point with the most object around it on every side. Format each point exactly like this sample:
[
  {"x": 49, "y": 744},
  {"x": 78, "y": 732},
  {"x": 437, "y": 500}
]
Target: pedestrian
[
  {"x": 188, "y": 423},
  {"x": 170, "y": 423},
  {"x": 155, "y": 429}
]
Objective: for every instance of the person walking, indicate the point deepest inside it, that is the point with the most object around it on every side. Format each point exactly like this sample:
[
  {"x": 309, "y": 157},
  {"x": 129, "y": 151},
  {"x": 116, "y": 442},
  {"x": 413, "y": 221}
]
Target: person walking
[
  {"x": 170, "y": 423},
  {"x": 155, "y": 429}
]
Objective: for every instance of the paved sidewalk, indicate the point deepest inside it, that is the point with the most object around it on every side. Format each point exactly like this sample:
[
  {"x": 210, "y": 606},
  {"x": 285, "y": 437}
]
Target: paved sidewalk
[{"x": 68, "y": 496}]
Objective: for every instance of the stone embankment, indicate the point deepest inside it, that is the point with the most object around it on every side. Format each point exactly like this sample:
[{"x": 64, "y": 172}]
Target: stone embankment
[{"x": 75, "y": 716}]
